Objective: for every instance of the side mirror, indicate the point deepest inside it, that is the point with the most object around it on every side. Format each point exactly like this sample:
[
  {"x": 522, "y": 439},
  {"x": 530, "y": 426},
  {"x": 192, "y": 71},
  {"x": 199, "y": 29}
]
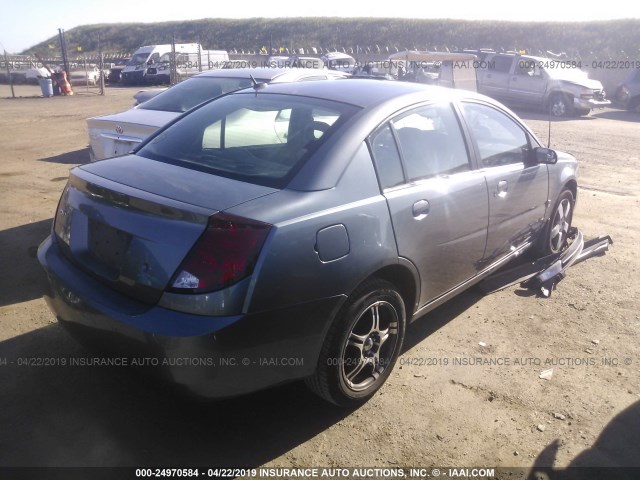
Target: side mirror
[{"x": 545, "y": 155}]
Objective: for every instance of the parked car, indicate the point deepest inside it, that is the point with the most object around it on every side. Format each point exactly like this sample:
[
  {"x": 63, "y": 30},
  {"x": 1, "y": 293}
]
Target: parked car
[
  {"x": 292, "y": 231},
  {"x": 453, "y": 70},
  {"x": 558, "y": 86},
  {"x": 115, "y": 72},
  {"x": 339, "y": 61},
  {"x": 627, "y": 94},
  {"x": 81, "y": 76},
  {"x": 112, "y": 135}
]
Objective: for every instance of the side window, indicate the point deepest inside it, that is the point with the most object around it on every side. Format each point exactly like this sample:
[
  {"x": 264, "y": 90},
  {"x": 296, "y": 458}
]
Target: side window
[
  {"x": 528, "y": 67},
  {"x": 386, "y": 157},
  {"x": 431, "y": 142},
  {"x": 500, "y": 139},
  {"x": 500, "y": 64}
]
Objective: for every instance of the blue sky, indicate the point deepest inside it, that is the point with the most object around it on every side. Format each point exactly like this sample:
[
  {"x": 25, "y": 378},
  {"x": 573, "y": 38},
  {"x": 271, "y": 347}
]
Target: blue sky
[{"x": 24, "y": 23}]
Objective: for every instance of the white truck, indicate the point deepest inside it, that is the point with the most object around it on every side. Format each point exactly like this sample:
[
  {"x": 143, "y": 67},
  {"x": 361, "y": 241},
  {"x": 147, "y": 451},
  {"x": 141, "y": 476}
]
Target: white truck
[
  {"x": 559, "y": 86},
  {"x": 135, "y": 71}
]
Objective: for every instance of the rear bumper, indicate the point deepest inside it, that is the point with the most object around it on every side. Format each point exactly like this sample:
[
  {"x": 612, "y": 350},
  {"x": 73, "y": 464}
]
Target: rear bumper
[{"x": 213, "y": 357}]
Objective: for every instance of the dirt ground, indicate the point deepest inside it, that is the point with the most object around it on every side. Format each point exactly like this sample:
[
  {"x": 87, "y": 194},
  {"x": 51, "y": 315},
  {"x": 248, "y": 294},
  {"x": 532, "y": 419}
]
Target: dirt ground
[{"x": 441, "y": 406}]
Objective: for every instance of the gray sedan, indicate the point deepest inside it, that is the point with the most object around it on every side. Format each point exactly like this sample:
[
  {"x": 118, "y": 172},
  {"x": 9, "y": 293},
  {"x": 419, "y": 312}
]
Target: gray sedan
[{"x": 292, "y": 231}]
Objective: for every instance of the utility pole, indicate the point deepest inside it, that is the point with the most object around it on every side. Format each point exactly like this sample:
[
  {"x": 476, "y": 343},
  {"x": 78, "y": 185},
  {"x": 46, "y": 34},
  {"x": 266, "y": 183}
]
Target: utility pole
[
  {"x": 63, "y": 50},
  {"x": 101, "y": 67},
  {"x": 6, "y": 63}
]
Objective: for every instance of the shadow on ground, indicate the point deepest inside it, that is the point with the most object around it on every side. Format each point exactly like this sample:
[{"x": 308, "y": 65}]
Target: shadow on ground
[
  {"x": 526, "y": 114},
  {"x": 622, "y": 115},
  {"x": 111, "y": 416},
  {"x": 69, "y": 158},
  {"x": 22, "y": 277},
  {"x": 615, "y": 455}
]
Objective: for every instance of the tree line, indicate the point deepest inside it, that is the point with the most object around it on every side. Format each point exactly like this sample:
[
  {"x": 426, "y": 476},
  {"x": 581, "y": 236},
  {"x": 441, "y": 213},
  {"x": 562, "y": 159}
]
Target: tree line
[{"x": 619, "y": 39}]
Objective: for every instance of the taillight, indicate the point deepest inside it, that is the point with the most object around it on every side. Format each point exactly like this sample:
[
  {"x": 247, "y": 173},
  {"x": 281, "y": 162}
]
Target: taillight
[{"x": 225, "y": 254}]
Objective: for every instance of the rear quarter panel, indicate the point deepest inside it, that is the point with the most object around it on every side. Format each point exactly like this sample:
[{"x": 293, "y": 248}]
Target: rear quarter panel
[{"x": 290, "y": 270}]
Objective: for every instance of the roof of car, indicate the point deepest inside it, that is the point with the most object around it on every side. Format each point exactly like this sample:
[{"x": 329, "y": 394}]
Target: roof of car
[
  {"x": 365, "y": 93},
  {"x": 267, "y": 73}
]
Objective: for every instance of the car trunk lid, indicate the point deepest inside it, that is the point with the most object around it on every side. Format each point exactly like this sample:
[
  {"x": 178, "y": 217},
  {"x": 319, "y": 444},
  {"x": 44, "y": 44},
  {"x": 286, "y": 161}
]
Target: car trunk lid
[
  {"x": 118, "y": 134},
  {"x": 132, "y": 227}
]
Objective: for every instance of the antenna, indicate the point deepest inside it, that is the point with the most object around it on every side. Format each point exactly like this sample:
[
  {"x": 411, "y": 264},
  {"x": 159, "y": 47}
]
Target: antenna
[
  {"x": 549, "y": 129},
  {"x": 257, "y": 85}
]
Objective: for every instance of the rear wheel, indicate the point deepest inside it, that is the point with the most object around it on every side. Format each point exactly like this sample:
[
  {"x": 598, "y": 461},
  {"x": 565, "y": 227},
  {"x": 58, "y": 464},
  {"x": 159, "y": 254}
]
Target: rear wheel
[
  {"x": 557, "y": 232},
  {"x": 560, "y": 105},
  {"x": 362, "y": 345}
]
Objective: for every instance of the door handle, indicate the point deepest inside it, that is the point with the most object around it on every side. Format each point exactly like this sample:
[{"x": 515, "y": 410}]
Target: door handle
[
  {"x": 501, "y": 191},
  {"x": 420, "y": 209}
]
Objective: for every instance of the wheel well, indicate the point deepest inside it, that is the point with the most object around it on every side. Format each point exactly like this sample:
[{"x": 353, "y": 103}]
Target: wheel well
[
  {"x": 402, "y": 278},
  {"x": 559, "y": 92},
  {"x": 572, "y": 185}
]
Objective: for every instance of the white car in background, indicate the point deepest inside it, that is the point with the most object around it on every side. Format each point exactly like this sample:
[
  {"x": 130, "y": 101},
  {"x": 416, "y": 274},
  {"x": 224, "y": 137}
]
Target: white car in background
[
  {"x": 81, "y": 76},
  {"x": 118, "y": 134}
]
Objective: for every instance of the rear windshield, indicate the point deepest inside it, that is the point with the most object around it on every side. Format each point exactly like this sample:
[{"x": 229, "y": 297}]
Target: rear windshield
[
  {"x": 257, "y": 138},
  {"x": 194, "y": 91}
]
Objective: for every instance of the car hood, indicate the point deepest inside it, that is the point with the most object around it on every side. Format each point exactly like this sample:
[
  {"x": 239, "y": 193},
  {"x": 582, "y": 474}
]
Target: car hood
[{"x": 587, "y": 83}]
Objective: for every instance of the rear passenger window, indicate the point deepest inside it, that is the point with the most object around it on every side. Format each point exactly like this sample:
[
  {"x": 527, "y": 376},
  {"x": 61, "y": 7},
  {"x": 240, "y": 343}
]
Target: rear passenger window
[
  {"x": 500, "y": 140},
  {"x": 500, "y": 64},
  {"x": 386, "y": 158},
  {"x": 431, "y": 142}
]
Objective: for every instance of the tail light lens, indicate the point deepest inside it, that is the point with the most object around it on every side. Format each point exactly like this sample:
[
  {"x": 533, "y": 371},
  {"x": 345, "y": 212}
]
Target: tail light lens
[{"x": 225, "y": 254}]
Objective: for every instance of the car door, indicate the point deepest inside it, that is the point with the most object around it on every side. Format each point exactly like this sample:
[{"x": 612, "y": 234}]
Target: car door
[
  {"x": 437, "y": 201},
  {"x": 528, "y": 83},
  {"x": 494, "y": 80},
  {"x": 518, "y": 187}
]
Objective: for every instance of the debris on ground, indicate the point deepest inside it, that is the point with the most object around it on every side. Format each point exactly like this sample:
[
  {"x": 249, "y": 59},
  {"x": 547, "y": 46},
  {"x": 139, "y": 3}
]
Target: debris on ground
[
  {"x": 547, "y": 374},
  {"x": 542, "y": 275}
]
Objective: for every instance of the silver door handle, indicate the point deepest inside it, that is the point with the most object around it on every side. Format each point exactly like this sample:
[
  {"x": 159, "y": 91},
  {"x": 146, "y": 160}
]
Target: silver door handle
[
  {"x": 501, "y": 191},
  {"x": 420, "y": 209}
]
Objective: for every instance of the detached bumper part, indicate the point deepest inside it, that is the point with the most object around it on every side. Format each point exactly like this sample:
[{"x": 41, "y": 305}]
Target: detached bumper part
[{"x": 544, "y": 274}]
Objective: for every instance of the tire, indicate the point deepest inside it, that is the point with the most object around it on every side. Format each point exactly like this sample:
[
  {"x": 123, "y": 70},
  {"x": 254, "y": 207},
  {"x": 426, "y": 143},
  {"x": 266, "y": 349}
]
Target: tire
[
  {"x": 555, "y": 234},
  {"x": 560, "y": 105},
  {"x": 634, "y": 105},
  {"x": 362, "y": 345},
  {"x": 582, "y": 112}
]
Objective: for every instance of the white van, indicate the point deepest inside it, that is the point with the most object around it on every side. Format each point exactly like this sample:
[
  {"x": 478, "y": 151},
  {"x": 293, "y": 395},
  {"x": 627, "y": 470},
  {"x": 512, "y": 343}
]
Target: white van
[
  {"x": 188, "y": 63},
  {"x": 135, "y": 71}
]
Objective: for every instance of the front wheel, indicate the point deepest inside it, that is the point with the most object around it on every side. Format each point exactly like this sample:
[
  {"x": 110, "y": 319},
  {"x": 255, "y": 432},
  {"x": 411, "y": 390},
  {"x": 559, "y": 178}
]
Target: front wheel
[
  {"x": 557, "y": 232},
  {"x": 560, "y": 105},
  {"x": 362, "y": 345}
]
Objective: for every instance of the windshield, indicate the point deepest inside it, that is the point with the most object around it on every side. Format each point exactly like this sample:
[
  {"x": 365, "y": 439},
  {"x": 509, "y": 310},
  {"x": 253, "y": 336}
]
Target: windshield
[
  {"x": 256, "y": 138},
  {"x": 194, "y": 91},
  {"x": 138, "y": 59}
]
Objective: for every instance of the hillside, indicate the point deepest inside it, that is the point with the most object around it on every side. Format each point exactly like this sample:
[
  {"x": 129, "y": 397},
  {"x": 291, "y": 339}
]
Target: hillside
[{"x": 618, "y": 39}]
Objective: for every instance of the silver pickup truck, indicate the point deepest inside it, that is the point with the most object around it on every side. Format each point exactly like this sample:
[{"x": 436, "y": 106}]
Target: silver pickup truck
[{"x": 556, "y": 85}]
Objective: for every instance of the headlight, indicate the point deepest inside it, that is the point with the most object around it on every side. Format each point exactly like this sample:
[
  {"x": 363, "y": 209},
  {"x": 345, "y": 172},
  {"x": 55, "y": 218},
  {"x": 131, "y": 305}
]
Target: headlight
[{"x": 586, "y": 93}]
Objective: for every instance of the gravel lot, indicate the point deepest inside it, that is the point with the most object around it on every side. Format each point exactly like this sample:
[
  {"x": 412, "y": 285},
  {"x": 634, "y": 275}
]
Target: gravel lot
[{"x": 441, "y": 406}]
